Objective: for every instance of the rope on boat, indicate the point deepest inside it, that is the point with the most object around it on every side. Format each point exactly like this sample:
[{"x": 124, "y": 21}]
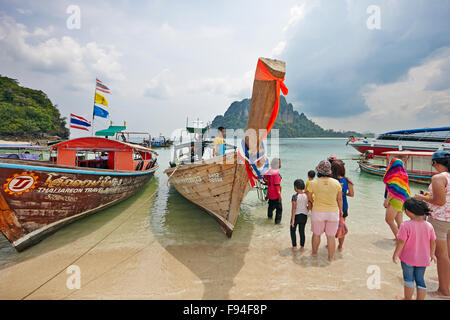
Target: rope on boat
[
  {"x": 89, "y": 250},
  {"x": 172, "y": 174}
]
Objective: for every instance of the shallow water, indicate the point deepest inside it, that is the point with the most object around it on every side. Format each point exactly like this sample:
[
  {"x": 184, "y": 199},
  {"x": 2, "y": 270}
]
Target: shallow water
[{"x": 158, "y": 245}]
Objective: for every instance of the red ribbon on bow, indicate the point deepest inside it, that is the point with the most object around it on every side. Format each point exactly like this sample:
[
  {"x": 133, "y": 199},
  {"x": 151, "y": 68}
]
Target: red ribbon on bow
[
  {"x": 248, "y": 168},
  {"x": 263, "y": 74}
]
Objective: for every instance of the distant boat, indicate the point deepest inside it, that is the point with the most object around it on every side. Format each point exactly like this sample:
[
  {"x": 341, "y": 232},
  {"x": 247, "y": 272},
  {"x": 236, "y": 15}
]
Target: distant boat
[
  {"x": 22, "y": 151},
  {"x": 417, "y": 164},
  {"x": 87, "y": 175},
  {"x": 219, "y": 184},
  {"x": 161, "y": 142},
  {"x": 420, "y": 140}
]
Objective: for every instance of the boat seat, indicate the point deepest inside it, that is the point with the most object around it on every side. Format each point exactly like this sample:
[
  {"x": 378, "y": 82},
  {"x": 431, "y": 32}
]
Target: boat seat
[{"x": 139, "y": 166}]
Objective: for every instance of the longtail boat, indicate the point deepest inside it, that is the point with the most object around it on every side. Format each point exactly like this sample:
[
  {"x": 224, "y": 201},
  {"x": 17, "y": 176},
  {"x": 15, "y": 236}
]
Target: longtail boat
[
  {"x": 417, "y": 164},
  {"x": 220, "y": 183},
  {"x": 87, "y": 175}
]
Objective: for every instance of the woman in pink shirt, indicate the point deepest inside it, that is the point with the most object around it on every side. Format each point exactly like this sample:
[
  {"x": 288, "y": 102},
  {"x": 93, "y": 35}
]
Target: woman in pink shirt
[{"x": 416, "y": 245}]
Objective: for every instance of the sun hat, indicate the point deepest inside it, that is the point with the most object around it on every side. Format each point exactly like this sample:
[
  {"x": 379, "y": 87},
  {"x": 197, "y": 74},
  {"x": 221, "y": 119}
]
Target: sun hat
[
  {"x": 440, "y": 154},
  {"x": 324, "y": 168}
]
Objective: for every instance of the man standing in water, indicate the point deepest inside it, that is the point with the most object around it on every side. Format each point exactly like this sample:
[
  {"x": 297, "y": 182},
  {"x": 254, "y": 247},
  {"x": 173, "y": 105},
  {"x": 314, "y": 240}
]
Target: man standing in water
[
  {"x": 219, "y": 143},
  {"x": 273, "y": 180}
]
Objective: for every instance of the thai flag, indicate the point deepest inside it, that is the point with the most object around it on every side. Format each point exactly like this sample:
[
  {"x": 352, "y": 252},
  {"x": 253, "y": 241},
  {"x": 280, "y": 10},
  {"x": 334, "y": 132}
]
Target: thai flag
[
  {"x": 100, "y": 86},
  {"x": 78, "y": 122}
]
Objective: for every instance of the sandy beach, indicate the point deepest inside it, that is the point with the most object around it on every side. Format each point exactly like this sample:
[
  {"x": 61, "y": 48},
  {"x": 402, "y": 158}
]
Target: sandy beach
[{"x": 120, "y": 259}]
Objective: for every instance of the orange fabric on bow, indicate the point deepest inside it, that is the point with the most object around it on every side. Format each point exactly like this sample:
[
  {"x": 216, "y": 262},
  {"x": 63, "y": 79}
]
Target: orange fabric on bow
[
  {"x": 248, "y": 168},
  {"x": 263, "y": 74}
]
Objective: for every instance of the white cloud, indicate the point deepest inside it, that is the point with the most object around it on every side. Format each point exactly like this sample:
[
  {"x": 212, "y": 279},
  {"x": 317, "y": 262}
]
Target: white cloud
[
  {"x": 405, "y": 104},
  {"x": 26, "y": 12},
  {"x": 58, "y": 55},
  {"x": 297, "y": 13},
  {"x": 279, "y": 48},
  {"x": 231, "y": 87},
  {"x": 159, "y": 86}
]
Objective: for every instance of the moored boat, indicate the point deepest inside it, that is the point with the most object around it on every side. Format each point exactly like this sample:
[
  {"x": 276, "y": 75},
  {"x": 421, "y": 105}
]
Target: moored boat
[
  {"x": 161, "y": 142},
  {"x": 419, "y": 140},
  {"x": 218, "y": 184},
  {"x": 417, "y": 164},
  {"x": 88, "y": 175}
]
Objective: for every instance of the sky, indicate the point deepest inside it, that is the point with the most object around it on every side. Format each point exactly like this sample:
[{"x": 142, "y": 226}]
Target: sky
[{"x": 362, "y": 65}]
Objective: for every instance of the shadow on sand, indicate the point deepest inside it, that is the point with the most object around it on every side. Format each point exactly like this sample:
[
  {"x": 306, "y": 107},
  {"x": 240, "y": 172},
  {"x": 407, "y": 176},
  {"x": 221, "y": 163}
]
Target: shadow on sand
[
  {"x": 73, "y": 232},
  {"x": 196, "y": 240}
]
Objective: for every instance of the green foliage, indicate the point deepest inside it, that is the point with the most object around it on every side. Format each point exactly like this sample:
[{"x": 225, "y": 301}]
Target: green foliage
[
  {"x": 28, "y": 113},
  {"x": 289, "y": 122}
]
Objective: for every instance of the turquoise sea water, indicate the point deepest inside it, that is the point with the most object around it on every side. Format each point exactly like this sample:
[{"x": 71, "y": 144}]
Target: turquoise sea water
[{"x": 257, "y": 247}]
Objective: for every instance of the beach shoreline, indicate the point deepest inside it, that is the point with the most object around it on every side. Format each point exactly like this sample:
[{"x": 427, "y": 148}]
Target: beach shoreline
[{"x": 157, "y": 245}]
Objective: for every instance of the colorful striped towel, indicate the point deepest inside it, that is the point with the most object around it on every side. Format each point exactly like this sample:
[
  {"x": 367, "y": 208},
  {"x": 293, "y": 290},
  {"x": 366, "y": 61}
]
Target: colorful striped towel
[{"x": 396, "y": 180}]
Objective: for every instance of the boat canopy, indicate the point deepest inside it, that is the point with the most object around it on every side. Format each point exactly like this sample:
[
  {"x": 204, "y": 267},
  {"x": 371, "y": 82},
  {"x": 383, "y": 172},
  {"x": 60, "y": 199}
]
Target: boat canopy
[
  {"x": 441, "y": 134},
  {"x": 111, "y": 131},
  {"x": 195, "y": 130},
  {"x": 21, "y": 146},
  {"x": 99, "y": 145},
  {"x": 117, "y": 155},
  {"x": 409, "y": 153},
  {"x": 418, "y": 130}
]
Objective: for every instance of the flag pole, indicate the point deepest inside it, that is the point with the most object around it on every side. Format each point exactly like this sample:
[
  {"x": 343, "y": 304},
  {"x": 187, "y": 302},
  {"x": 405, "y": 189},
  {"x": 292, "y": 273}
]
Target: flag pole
[
  {"x": 93, "y": 108},
  {"x": 70, "y": 118}
]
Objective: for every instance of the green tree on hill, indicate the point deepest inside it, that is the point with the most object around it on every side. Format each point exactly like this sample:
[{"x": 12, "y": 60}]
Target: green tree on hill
[{"x": 27, "y": 113}]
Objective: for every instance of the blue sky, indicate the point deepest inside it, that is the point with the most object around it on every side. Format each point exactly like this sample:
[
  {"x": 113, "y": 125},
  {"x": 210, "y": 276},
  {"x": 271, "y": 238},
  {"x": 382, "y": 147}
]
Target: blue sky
[{"x": 168, "y": 60}]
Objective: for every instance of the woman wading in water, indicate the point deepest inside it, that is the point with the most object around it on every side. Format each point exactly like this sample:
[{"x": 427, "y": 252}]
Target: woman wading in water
[
  {"x": 397, "y": 191},
  {"x": 326, "y": 208},
  {"x": 338, "y": 169}
]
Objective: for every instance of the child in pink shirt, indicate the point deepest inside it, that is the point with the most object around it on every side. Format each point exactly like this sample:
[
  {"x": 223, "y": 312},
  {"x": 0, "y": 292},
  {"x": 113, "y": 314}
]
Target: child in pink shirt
[{"x": 416, "y": 247}]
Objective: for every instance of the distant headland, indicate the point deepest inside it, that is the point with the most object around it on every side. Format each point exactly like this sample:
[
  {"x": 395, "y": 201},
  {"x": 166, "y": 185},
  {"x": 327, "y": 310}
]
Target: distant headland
[{"x": 289, "y": 122}]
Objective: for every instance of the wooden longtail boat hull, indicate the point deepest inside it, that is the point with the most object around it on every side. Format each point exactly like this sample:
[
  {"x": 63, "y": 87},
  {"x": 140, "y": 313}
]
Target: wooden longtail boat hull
[
  {"x": 380, "y": 171},
  {"x": 37, "y": 198},
  {"x": 219, "y": 185},
  {"x": 215, "y": 185}
]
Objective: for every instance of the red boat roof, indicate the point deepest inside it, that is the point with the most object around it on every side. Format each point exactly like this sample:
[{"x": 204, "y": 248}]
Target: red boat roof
[
  {"x": 99, "y": 144},
  {"x": 409, "y": 153}
]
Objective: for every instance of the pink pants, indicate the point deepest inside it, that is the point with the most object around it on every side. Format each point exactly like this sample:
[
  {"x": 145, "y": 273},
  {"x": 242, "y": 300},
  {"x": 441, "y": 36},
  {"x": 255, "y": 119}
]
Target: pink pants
[{"x": 327, "y": 222}]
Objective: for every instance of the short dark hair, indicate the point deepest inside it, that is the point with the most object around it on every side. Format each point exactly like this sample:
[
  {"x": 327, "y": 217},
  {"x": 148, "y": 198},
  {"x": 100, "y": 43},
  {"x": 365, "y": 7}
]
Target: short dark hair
[
  {"x": 338, "y": 169},
  {"x": 220, "y": 128},
  {"x": 311, "y": 173},
  {"x": 299, "y": 184},
  {"x": 445, "y": 162},
  {"x": 417, "y": 207}
]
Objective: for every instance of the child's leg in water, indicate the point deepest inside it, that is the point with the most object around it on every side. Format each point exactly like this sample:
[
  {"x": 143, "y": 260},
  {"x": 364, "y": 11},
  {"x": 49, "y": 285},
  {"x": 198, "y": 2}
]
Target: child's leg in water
[
  {"x": 293, "y": 237},
  {"x": 301, "y": 229}
]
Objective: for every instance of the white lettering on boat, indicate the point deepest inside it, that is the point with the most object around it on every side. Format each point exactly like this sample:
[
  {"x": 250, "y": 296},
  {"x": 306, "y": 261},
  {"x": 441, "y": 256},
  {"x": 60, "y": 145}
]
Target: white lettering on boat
[{"x": 215, "y": 177}]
